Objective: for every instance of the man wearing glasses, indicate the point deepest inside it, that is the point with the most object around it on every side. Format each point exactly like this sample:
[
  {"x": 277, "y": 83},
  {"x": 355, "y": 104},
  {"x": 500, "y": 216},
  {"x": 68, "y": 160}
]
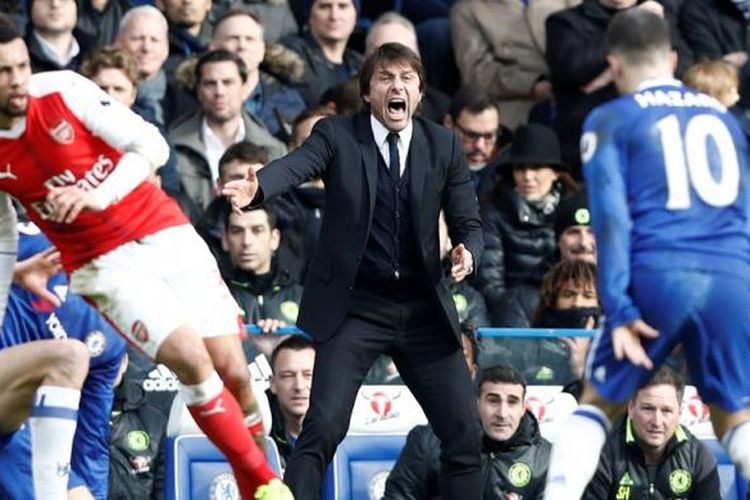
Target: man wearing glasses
[{"x": 476, "y": 120}]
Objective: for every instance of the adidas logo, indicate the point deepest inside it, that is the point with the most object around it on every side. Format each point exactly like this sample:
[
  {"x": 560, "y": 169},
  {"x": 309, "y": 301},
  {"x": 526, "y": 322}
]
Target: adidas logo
[{"x": 161, "y": 379}]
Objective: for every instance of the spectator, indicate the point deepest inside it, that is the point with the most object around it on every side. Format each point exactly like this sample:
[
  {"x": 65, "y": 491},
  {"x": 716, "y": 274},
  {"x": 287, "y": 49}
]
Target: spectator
[
  {"x": 143, "y": 34},
  {"x": 275, "y": 104},
  {"x": 719, "y": 79},
  {"x": 569, "y": 298},
  {"x": 52, "y": 39},
  {"x": 717, "y": 30},
  {"x": 573, "y": 232},
  {"x": 500, "y": 44},
  {"x": 266, "y": 292},
  {"x": 203, "y": 135},
  {"x": 518, "y": 225},
  {"x": 393, "y": 27},
  {"x": 137, "y": 434},
  {"x": 300, "y": 211},
  {"x": 576, "y": 55},
  {"x": 476, "y": 121},
  {"x": 650, "y": 455},
  {"x": 292, "y": 364},
  {"x": 514, "y": 454},
  {"x": 277, "y": 17},
  {"x": 328, "y": 62},
  {"x": 116, "y": 72},
  {"x": 99, "y": 20},
  {"x": 190, "y": 29},
  {"x": 233, "y": 165}
]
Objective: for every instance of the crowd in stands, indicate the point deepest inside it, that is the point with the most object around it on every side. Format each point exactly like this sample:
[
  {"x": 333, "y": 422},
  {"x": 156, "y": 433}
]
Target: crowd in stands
[{"x": 234, "y": 84}]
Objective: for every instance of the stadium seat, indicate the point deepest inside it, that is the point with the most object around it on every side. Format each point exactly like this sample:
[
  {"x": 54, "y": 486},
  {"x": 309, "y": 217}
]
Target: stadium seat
[
  {"x": 733, "y": 486},
  {"x": 361, "y": 465},
  {"x": 195, "y": 468}
]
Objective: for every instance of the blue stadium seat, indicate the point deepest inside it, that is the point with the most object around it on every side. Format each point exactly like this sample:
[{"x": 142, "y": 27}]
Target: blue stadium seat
[
  {"x": 733, "y": 486},
  {"x": 361, "y": 465},
  {"x": 195, "y": 468}
]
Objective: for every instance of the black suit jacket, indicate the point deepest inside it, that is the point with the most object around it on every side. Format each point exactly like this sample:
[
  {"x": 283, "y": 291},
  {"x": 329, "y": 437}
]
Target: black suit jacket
[{"x": 343, "y": 152}]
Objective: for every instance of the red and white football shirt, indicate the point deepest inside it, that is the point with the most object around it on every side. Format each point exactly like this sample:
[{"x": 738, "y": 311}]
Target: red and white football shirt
[{"x": 75, "y": 134}]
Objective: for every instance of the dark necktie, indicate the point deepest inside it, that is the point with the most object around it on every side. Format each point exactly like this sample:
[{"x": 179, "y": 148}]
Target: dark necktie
[{"x": 394, "y": 164}]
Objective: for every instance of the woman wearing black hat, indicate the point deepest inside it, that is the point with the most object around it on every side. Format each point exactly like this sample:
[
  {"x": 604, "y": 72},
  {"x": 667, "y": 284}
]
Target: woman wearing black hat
[{"x": 518, "y": 225}]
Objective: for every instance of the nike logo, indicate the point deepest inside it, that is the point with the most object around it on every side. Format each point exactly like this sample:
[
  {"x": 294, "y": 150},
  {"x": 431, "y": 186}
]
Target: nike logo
[
  {"x": 218, "y": 408},
  {"x": 8, "y": 174}
]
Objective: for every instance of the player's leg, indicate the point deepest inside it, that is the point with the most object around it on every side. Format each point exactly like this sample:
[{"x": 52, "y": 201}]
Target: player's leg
[
  {"x": 80, "y": 493},
  {"x": 214, "y": 408},
  {"x": 609, "y": 383},
  {"x": 230, "y": 362},
  {"x": 41, "y": 381},
  {"x": 141, "y": 288},
  {"x": 717, "y": 347}
]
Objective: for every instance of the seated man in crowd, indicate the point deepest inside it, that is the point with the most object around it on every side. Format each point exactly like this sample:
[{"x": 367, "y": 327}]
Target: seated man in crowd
[
  {"x": 648, "y": 454},
  {"x": 233, "y": 165},
  {"x": 201, "y": 137},
  {"x": 514, "y": 454},
  {"x": 573, "y": 231},
  {"x": 268, "y": 295},
  {"x": 292, "y": 364},
  {"x": 323, "y": 47}
]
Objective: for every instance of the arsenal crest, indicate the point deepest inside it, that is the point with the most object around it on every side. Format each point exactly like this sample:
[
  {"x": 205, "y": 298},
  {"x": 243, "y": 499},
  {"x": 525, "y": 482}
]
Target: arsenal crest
[{"x": 63, "y": 132}]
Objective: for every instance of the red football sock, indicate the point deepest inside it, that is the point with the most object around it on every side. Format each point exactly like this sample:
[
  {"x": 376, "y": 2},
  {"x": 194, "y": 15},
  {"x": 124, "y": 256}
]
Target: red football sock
[{"x": 222, "y": 421}]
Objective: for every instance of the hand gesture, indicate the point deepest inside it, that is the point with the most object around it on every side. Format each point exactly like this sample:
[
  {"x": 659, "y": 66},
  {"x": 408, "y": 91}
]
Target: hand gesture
[
  {"x": 626, "y": 341},
  {"x": 240, "y": 193},
  {"x": 69, "y": 201},
  {"x": 462, "y": 263},
  {"x": 34, "y": 272}
]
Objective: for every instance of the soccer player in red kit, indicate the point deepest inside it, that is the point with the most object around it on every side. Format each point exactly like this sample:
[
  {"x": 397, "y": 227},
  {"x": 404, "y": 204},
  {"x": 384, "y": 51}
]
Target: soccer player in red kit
[{"x": 80, "y": 163}]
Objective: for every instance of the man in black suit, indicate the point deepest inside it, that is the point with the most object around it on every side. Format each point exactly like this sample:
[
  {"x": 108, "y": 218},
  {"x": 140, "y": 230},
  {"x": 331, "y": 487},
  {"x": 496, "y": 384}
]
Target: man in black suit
[{"x": 374, "y": 283}]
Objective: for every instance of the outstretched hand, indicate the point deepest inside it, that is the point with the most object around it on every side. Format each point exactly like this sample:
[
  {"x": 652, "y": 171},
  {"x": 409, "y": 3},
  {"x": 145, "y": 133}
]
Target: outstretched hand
[
  {"x": 34, "y": 272},
  {"x": 240, "y": 193},
  {"x": 462, "y": 263},
  {"x": 626, "y": 342}
]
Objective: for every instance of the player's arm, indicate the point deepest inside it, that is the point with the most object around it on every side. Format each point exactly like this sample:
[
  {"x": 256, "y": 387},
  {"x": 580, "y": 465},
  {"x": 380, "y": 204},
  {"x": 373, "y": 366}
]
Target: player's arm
[
  {"x": 143, "y": 145},
  {"x": 8, "y": 249},
  {"x": 603, "y": 154},
  {"x": 604, "y": 170}
]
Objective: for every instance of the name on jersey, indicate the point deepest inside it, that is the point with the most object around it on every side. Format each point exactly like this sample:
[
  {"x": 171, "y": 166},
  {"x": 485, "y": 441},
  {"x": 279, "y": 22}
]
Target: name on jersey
[
  {"x": 676, "y": 98},
  {"x": 92, "y": 178}
]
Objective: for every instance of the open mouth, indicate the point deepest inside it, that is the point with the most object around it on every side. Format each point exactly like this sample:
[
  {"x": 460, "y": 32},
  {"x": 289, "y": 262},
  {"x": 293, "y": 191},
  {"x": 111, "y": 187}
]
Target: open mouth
[{"x": 396, "y": 106}]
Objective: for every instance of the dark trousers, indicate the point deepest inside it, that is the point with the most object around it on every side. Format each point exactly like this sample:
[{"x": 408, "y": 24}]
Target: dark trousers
[{"x": 430, "y": 362}]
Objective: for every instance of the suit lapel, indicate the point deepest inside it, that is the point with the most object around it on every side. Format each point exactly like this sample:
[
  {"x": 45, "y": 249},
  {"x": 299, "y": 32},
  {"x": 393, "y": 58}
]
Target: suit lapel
[
  {"x": 369, "y": 155},
  {"x": 418, "y": 156}
]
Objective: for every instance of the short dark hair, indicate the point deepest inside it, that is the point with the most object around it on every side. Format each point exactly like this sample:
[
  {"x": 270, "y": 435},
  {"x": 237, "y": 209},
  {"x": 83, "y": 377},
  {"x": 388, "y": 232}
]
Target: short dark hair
[
  {"x": 217, "y": 56},
  {"x": 469, "y": 331},
  {"x": 265, "y": 207},
  {"x": 294, "y": 343},
  {"x": 637, "y": 35},
  {"x": 386, "y": 54},
  {"x": 666, "y": 375},
  {"x": 235, "y": 12},
  {"x": 500, "y": 374},
  {"x": 581, "y": 273},
  {"x": 312, "y": 112},
  {"x": 8, "y": 29},
  {"x": 243, "y": 151},
  {"x": 473, "y": 99}
]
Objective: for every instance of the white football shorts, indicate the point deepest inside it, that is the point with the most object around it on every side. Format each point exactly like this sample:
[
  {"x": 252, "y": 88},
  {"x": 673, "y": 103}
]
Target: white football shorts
[{"x": 149, "y": 287}]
